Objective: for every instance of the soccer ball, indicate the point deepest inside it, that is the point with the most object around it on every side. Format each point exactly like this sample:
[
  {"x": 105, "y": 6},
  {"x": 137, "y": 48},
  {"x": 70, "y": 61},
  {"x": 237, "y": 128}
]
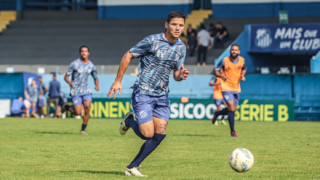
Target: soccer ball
[{"x": 241, "y": 160}]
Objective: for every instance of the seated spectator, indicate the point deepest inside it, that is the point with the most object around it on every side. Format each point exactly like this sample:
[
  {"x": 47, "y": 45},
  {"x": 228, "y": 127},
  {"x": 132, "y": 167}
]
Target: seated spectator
[
  {"x": 191, "y": 43},
  {"x": 213, "y": 33},
  {"x": 222, "y": 35},
  {"x": 32, "y": 93},
  {"x": 18, "y": 108}
]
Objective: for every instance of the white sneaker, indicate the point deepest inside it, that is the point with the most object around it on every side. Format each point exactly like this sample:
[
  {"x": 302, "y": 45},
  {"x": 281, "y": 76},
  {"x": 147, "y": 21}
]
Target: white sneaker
[
  {"x": 77, "y": 117},
  {"x": 63, "y": 116},
  {"x": 122, "y": 127},
  {"x": 134, "y": 171},
  {"x": 42, "y": 116}
]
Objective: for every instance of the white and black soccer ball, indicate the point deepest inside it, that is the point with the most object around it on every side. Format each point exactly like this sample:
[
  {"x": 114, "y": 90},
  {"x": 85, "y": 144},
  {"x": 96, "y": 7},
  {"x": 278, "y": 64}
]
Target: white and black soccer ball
[{"x": 241, "y": 160}]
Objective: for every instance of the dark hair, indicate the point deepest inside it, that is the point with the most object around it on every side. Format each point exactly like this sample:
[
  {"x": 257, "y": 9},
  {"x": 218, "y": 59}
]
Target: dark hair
[
  {"x": 202, "y": 26},
  {"x": 219, "y": 23},
  {"x": 84, "y": 47},
  {"x": 211, "y": 24},
  {"x": 39, "y": 76},
  {"x": 175, "y": 14},
  {"x": 235, "y": 45}
]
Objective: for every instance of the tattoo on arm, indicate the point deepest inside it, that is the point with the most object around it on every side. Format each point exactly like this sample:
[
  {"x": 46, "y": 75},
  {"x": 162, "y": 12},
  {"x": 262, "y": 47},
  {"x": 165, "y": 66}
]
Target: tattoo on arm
[{"x": 163, "y": 126}]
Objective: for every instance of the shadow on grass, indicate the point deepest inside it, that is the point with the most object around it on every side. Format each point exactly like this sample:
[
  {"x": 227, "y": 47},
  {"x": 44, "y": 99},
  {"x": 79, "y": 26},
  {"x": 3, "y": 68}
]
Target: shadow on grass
[
  {"x": 45, "y": 132},
  {"x": 198, "y": 135},
  {"x": 98, "y": 172}
]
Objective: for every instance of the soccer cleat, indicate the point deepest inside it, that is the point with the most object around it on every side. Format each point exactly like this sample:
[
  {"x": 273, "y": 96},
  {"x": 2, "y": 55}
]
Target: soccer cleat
[
  {"x": 234, "y": 134},
  {"x": 214, "y": 118},
  {"x": 216, "y": 123},
  {"x": 134, "y": 171},
  {"x": 223, "y": 122},
  {"x": 122, "y": 127},
  {"x": 77, "y": 117},
  {"x": 83, "y": 133}
]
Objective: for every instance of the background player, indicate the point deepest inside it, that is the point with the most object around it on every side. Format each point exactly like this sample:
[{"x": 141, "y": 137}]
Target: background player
[
  {"x": 217, "y": 96},
  {"x": 42, "y": 101},
  {"x": 233, "y": 70},
  {"x": 80, "y": 69},
  {"x": 159, "y": 53},
  {"x": 31, "y": 93}
]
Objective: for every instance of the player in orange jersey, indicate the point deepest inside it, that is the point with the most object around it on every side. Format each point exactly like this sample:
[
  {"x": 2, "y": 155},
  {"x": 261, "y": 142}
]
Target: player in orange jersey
[
  {"x": 233, "y": 70},
  {"x": 217, "y": 96}
]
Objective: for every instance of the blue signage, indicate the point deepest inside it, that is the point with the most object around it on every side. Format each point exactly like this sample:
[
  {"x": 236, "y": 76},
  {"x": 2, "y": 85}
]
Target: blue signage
[{"x": 284, "y": 38}]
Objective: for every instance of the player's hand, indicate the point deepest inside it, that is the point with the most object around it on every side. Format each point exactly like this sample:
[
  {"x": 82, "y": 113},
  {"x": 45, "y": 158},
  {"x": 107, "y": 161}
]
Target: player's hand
[
  {"x": 243, "y": 78},
  {"x": 114, "y": 89},
  {"x": 188, "y": 47},
  {"x": 224, "y": 77},
  {"x": 183, "y": 72},
  {"x": 71, "y": 85},
  {"x": 208, "y": 47},
  {"x": 96, "y": 88}
]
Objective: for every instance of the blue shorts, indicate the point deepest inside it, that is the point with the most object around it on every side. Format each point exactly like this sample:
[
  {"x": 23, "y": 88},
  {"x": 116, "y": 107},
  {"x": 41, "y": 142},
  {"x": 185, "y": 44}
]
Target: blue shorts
[
  {"x": 33, "y": 99},
  {"x": 145, "y": 107},
  {"x": 231, "y": 95},
  {"x": 219, "y": 102},
  {"x": 79, "y": 99},
  {"x": 42, "y": 101}
]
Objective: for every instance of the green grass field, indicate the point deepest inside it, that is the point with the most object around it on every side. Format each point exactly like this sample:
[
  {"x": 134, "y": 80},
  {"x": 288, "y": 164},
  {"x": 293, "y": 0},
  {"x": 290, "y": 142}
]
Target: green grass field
[{"x": 53, "y": 149}]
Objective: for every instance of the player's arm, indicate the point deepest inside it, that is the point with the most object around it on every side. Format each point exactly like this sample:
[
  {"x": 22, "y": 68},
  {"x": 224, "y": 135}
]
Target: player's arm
[
  {"x": 94, "y": 74},
  {"x": 219, "y": 69},
  {"x": 243, "y": 72},
  {"x": 214, "y": 83},
  {"x": 181, "y": 74},
  {"x": 69, "y": 71},
  {"x": 139, "y": 50},
  {"x": 122, "y": 69}
]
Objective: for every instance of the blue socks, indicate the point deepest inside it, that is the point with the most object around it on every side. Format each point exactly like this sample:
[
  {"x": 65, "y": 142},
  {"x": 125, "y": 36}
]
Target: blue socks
[
  {"x": 146, "y": 149},
  {"x": 231, "y": 120},
  {"x": 134, "y": 125},
  {"x": 83, "y": 127},
  {"x": 222, "y": 112}
]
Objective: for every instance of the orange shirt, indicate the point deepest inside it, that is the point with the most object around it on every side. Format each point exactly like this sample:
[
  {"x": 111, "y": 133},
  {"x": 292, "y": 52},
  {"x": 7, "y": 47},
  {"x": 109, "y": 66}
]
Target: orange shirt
[
  {"x": 233, "y": 73},
  {"x": 217, "y": 94}
]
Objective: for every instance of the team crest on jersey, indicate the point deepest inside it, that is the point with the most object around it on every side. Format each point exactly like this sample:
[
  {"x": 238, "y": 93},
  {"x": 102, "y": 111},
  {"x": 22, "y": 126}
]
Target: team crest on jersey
[
  {"x": 143, "y": 114},
  {"x": 229, "y": 68},
  {"x": 145, "y": 86},
  {"x": 239, "y": 67}
]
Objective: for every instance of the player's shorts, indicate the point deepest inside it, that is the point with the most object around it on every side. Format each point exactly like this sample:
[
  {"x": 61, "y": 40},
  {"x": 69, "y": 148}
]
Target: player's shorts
[
  {"x": 218, "y": 102},
  {"x": 231, "y": 95},
  {"x": 33, "y": 99},
  {"x": 79, "y": 99},
  {"x": 42, "y": 101},
  {"x": 61, "y": 103},
  {"x": 17, "y": 114},
  {"x": 145, "y": 107}
]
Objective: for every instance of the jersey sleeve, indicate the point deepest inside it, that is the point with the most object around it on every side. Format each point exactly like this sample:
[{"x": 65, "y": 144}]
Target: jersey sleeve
[
  {"x": 94, "y": 72},
  {"x": 182, "y": 58},
  {"x": 220, "y": 66},
  {"x": 142, "y": 48},
  {"x": 71, "y": 68}
]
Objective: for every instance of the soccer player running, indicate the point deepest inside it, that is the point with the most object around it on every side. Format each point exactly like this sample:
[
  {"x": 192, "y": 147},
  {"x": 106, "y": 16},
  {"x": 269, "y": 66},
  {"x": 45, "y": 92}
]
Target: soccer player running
[
  {"x": 159, "y": 54},
  {"x": 231, "y": 70},
  {"x": 80, "y": 93},
  {"x": 217, "y": 96}
]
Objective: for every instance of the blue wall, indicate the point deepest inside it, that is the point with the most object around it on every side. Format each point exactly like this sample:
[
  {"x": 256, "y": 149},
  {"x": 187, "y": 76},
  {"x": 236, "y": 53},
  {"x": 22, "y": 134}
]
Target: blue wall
[
  {"x": 8, "y": 5},
  {"x": 271, "y": 9},
  {"x": 301, "y": 88},
  {"x": 141, "y": 11}
]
